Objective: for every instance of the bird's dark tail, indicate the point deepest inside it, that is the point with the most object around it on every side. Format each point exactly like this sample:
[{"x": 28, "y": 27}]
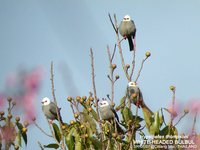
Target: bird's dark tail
[
  {"x": 61, "y": 121},
  {"x": 119, "y": 128},
  {"x": 130, "y": 42}
]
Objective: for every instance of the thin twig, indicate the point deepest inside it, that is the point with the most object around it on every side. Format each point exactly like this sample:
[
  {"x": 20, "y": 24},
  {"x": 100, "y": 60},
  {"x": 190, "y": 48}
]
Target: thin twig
[
  {"x": 140, "y": 69},
  {"x": 180, "y": 119},
  {"x": 173, "y": 103},
  {"x": 76, "y": 106},
  {"x": 113, "y": 54},
  {"x": 119, "y": 45},
  {"x": 133, "y": 65},
  {"x": 53, "y": 134},
  {"x": 57, "y": 111},
  {"x": 93, "y": 81},
  {"x": 42, "y": 130},
  {"x": 41, "y": 146},
  {"x": 122, "y": 105},
  {"x": 95, "y": 94},
  {"x": 194, "y": 122},
  {"x": 111, "y": 74},
  {"x": 114, "y": 27}
]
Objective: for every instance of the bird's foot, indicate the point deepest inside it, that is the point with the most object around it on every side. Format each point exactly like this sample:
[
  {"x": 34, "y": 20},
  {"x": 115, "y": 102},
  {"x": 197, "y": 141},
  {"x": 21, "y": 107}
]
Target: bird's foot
[{"x": 138, "y": 104}]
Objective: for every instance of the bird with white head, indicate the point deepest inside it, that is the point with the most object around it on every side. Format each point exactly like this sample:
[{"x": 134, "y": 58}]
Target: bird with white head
[
  {"x": 127, "y": 29},
  {"x": 49, "y": 109},
  {"x": 108, "y": 113}
]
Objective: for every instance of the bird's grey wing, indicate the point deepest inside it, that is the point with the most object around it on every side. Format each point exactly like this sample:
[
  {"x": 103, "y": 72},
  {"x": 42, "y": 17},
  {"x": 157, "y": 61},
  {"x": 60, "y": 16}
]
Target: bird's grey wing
[
  {"x": 52, "y": 109},
  {"x": 131, "y": 28}
]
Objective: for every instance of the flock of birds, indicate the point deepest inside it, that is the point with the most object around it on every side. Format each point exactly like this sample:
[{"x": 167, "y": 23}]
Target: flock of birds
[{"x": 127, "y": 29}]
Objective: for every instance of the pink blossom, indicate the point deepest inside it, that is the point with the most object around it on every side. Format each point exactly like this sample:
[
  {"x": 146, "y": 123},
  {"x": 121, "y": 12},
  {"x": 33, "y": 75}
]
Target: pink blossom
[
  {"x": 194, "y": 105},
  {"x": 176, "y": 109},
  {"x": 1, "y": 101},
  {"x": 23, "y": 87},
  {"x": 8, "y": 133},
  {"x": 33, "y": 79},
  {"x": 196, "y": 140}
]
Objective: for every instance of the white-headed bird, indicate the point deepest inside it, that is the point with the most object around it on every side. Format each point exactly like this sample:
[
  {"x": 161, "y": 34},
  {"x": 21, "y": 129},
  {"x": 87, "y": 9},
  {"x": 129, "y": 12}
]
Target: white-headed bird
[
  {"x": 134, "y": 93},
  {"x": 108, "y": 113},
  {"x": 49, "y": 109},
  {"x": 127, "y": 29}
]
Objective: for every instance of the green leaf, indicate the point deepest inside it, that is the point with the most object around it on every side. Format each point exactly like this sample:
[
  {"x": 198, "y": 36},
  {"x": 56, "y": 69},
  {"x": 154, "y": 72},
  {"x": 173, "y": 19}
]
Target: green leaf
[
  {"x": 94, "y": 114},
  {"x": 96, "y": 143},
  {"x": 90, "y": 120},
  {"x": 155, "y": 126},
  {"x": 106, "y": 128},
  {"x": 138, "y": 119},
  {"x": 161, "y": 121},
  {"x": 168, "y": 130},
  {"x": 70, "y": 140},
  {"x": 122, "y": 103},
  {"x": 148, "y": 116},
  {"x": 57, "y": 132},
  {"x": 24, "y": 136},
  {"x": 19, "y": 125},
  {"x": 19, "y": 141},
  {"x": 78, "y": 146},
  {"x": 52, "y": 145},
  {"x": 127, "y": 116},
  {"x": 164, "y": 131}
]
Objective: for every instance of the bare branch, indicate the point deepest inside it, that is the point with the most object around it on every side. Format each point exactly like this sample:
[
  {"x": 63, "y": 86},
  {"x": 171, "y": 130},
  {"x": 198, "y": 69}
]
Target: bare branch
[
  {"x": 173, "y": 103},
  {"x": 194, "y": 122},
  {"x": 133, "y": 65},
  {"x": 57, "y": 111},
  {"x": 114, "y": 27},
  {"x": 95, "y": 94},
  {"x": 42, "y": 130},
  {"x": 111, "y": 77},
  {"x": 41, "y": 146},
  {"x": 140, "y": 69},
  {"x": 53, "y": 134},
  {"x": 113, "y": 52},
  {"x": 120, "y": 51},
  {"x": 180, "y": 119},
  {"x": 93, "y": 82}
]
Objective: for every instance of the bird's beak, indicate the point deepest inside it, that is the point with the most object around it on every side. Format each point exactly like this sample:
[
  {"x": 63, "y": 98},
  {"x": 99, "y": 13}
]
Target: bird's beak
[{"x": 42, "y": 102}]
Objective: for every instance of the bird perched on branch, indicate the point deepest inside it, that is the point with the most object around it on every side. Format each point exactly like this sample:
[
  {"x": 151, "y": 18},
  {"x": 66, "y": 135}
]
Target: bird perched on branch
[
  {"x": 134, "y": 94},
  {"x": 108, "y": 113},
  {"x": 49, "y": 109},
  {"x": 127, "y": 29}
]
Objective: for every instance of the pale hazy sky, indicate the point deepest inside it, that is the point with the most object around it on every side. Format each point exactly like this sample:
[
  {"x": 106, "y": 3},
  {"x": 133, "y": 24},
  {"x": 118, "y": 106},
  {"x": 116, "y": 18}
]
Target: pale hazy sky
[{"x": 36, "y": 32}]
